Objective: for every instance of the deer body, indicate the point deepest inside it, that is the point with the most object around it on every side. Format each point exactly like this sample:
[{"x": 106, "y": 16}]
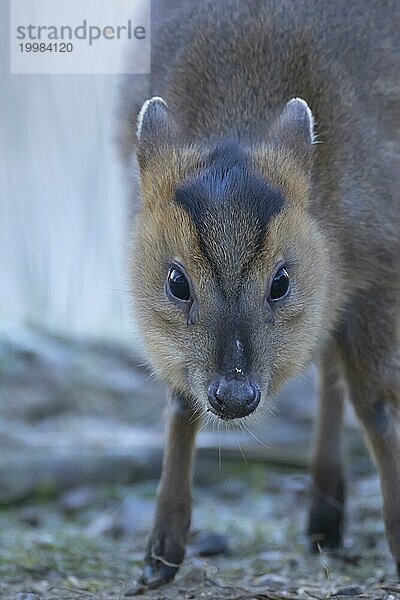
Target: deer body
[{"x": 269, "y": 232}]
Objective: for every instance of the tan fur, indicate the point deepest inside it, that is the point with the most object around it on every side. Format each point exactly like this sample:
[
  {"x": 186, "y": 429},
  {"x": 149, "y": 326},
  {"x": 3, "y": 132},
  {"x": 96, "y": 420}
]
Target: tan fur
[{"x": 229, "y": 74}]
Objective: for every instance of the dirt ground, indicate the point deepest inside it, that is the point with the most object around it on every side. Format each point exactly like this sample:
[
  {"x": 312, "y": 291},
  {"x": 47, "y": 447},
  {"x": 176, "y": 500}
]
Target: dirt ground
[
  {"x": 88, "y": 543},
  {"x": 77, "y": 486}
]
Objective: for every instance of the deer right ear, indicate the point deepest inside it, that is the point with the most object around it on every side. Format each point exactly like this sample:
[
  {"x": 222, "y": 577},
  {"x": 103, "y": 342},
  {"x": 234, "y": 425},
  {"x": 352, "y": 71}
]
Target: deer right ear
[
  {"x": 155, "y": 128},
  {"x": 294, "y": 131}
]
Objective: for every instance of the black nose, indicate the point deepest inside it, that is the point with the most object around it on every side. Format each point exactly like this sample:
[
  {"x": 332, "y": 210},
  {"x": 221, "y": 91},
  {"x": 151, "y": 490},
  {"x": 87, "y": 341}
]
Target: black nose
[{"x": 233, "y": 399}]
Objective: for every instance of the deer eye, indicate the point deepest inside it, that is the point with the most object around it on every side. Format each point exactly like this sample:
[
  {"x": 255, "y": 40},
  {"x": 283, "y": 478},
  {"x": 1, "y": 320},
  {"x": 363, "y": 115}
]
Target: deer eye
[
  {"x": 280, "y": 285},
  {"x": 178, "y": 285}
]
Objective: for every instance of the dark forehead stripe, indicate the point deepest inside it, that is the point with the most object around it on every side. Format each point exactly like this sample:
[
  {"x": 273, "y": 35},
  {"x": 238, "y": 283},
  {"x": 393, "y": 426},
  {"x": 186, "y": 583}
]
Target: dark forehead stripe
[
  {"x": 227, "y": 177},
  {"x": 230, "y": 206}
]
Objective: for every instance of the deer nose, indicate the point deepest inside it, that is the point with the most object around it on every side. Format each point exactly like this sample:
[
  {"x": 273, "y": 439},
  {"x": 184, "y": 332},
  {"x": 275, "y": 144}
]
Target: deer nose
[{"x": 232, "y": 399}]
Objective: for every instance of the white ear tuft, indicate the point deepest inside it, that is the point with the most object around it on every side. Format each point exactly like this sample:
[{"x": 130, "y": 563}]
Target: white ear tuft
[
  {"x": 302, "y": 106},
  {"x": 156, "y": 129},
  {"x": 293, "y": 130},
  {"x": 149, "y": 103}
]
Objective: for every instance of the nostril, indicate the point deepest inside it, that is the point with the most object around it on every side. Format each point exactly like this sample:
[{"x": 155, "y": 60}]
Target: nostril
[
  {"x": 233, "y": 398},
  {"x": 255, "y": 394},
  {"x": 214, "y": 393},
  {"x": 218, "y": 395},
  {"x": 252, "y": 393},
  {"x": 245, "y": 392}
]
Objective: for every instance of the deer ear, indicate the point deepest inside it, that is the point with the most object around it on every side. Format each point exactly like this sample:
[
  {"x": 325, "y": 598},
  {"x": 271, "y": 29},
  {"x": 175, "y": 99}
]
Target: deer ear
[
  {"x": 155, "y": 128},
  {"x": 294, "y": 131}
]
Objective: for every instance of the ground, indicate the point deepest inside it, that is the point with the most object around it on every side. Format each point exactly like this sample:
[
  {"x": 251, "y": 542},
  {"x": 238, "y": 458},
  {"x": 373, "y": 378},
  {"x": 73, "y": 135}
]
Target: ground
[
  {"x": 89, "y": 543},
  {"x": 80, "y": 447}
]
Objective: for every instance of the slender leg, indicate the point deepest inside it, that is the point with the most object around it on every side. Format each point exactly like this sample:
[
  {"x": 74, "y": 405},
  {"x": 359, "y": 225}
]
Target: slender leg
[
  {"x": 371, "y": 351},
  {"x": 166, "y": 543},
  {"x": 328, "y": 493}
]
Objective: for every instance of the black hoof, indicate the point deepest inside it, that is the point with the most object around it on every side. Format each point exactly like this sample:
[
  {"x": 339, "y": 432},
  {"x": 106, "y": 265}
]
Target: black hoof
[
  {"x": 163, "y": 558},
  {"x": 155, "y": 573},
  {"x": 325, "y": 527}
]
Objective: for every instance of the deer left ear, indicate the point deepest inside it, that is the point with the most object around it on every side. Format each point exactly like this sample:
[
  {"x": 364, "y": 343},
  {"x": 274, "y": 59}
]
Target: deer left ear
[
  {"x": 294, "y": 131},
  {"x": 155, "y": 128}
]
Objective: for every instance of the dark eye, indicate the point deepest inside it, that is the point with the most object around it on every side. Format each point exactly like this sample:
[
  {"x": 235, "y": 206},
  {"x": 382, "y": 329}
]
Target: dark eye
[
  {"x": 178, "y": 285},
  {"x": 280, "y": 285}
]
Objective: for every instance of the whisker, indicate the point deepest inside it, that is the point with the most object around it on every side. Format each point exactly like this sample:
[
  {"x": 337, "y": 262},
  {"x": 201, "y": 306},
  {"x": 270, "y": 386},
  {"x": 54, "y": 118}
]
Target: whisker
[
  {"x": 194, "y": 418},
  {"x": 207, "y": 421},
  {"x": 150, "y": 377},
  {"x": 197, "y": 414},
  {"x": 145, "y": 364},
  {"x": 239, "y": 425},
  {"x": 242, "y": 453},
  {"x": 255, "y": 437},
  {"x": 103, "y": 289}
]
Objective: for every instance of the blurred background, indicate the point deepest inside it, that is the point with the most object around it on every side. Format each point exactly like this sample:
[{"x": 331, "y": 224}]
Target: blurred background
[
  {"x": 80, "y": 419},
  {"x": 70, "y": 355}
]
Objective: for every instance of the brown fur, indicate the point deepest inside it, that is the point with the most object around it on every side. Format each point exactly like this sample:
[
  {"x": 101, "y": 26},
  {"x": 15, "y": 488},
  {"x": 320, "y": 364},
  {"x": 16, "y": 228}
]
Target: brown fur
[{"x": 228, "y": 73}]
